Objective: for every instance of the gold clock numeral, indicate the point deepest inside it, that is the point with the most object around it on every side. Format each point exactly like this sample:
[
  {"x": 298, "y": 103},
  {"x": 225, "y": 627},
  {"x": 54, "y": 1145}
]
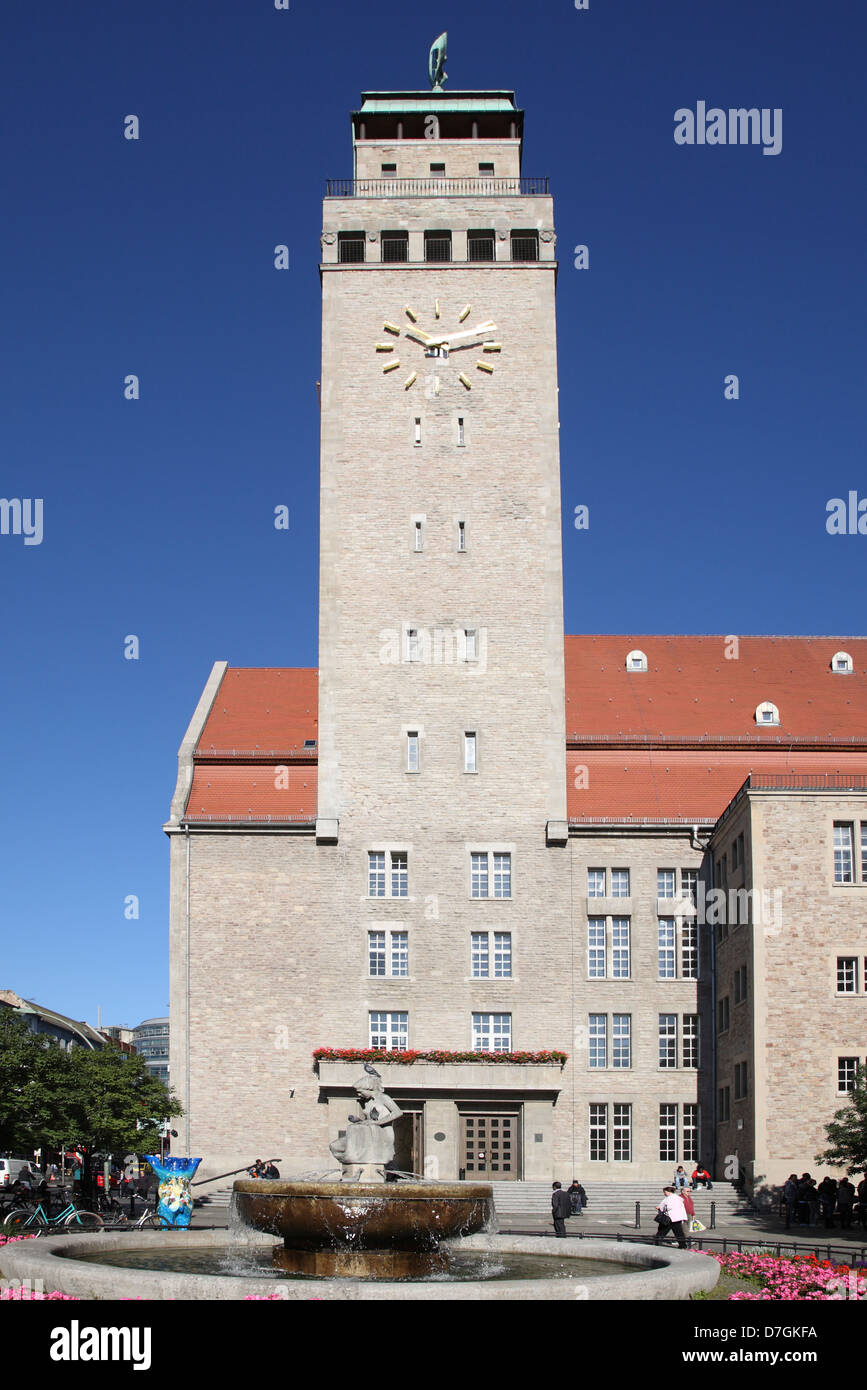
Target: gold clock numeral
[
  {"x": 409, "y": 381},
  {"x": 392, "y": 328},
  {"x": 492, "y": 347},
  {"x": 464, "y": 380},
  {"x": 410, "y": 313},
  {"x": 465, "y": 312},
  {"x": 385, "y": 347},
  {"x": 485, "y": 367},
  {"x": 436, "y": 308},
  {"x": 391, "y": 366}
]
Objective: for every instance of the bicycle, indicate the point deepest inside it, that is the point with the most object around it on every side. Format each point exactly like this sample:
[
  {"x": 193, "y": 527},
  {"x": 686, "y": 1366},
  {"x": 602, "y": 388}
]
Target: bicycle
[
  {"x": 36, "y": 1220},
  {"x": 115, "y": 1218}
]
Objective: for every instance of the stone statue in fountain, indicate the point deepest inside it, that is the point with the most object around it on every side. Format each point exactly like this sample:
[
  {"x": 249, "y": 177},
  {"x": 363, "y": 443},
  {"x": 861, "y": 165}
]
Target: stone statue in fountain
[{"x": 368, "y": 1144}]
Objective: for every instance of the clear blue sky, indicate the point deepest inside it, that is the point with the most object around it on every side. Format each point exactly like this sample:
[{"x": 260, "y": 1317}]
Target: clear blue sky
[{"x": 155, "y": 257}]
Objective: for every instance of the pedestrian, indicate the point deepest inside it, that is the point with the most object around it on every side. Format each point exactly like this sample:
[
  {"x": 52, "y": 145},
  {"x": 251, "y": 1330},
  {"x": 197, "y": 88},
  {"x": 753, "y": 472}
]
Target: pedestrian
[
  {"x": 790, "y": 1197},
  {"x": 845, "y": 1201},
  {"x": 803, "y": 1205},
  {"x": 561, "y": 1207},
  {"x": 862, "y": 1201},
  {"x": 670, "y": 1216},
  {"x": 578, "y": 1197},
  {"x": 680, "y": 1179},
  {"x": 827, "y": 1192},
  {"x": 686, "y": 1198}
]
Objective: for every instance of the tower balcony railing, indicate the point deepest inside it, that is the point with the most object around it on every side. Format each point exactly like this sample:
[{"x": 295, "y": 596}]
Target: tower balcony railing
[{"x": 436, "y": 188}]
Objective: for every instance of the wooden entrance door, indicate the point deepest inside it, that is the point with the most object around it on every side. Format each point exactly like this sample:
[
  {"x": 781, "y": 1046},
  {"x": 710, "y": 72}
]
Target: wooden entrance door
[
  {"x": 409, "y": 1141},
  {"x": 490, "y": 1150}
]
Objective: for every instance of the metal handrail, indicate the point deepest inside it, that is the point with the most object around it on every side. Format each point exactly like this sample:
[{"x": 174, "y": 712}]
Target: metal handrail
[{"x": 454, "y": 188}]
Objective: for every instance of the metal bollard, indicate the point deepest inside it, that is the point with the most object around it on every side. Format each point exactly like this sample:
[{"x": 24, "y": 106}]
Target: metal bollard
[
  {"x": 713, "y": 1216},
  {"x": 637, "y": 1216}
]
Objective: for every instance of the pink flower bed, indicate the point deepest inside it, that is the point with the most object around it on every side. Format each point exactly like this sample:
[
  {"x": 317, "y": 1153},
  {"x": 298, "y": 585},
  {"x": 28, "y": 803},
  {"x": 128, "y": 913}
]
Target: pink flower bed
[{"x": 802, "y": 1277}]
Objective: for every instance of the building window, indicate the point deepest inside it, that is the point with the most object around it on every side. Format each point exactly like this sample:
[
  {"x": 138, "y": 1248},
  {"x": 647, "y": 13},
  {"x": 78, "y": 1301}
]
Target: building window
[
  {"x": 492, "y": 1032},
  {"x": 622, "y": 1135},
  {"x": 417, "y": 431},
  {"x": 490, "y": 868},
  {"x": 389, "y": 1031},
  {"x": 843, "y": 852},
  {"x": 395, "y": 246},
  {"x": 417, "y": 536},
  {"x": 621, "y": 1040},
  {"x": 387, "y": 866},
  {"x": 666, "y": 883},
  {"x": 842, "y": 662},
  {"x": 480, "y": 246},
  {"x": 598, "y": 1040},
  {"x": 413, "y": 644},
  {"x": 724, "y": 1106},
  {"x": 471, "y": 643},
  {"x": 689, "y": 950},
  {"x": 847, "y": 1074},
  {"x": 462, "y": 537},
  {"x": 596, "y": 948},
  {"x": 666, "y": 951},
  {"x": 690, "y": 1040},
  {"x": 462, "y": 440},
  {"x": 471, "y": 762},
  {"x": 388, "y": 953},
  {"x": 740, "y": 984},
  {"x": 740, "y": 1080},
  {"x": 412, "y": 762},
  {"x": 598, "y": 1133},
  {"x": 767, "y": 713},
  {"x": 350, "y": 247},
  {"x": 437, "y": 171},
  {"x": 486, "y": 170},
  {"x": 525, "y": 246},
  {"x": 620, "y": 883},
  {"x": 668, "y": 1133},
  {"x": 620, "y": 948},
  {"x": 689, "y": 886},
  {"x": 636, "y": 661},
  {"x": 437, "y": 246},
  {"x": 389, "y": 171},
  {"x": 689, "y": 1146},
  {"x": 723, "y": 1015},
  {"x": 596, "y": 883},
  {"x": 668, "y": 1040},
  {"x": 847, "y": 974},
  {"x": 481, "y": 955}
]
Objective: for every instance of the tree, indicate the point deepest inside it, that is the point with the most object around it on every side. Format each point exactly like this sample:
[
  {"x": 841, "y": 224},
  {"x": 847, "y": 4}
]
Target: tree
[
  {"x": 847, "y": 1131},
  {"x": 33, "y": 1077}
]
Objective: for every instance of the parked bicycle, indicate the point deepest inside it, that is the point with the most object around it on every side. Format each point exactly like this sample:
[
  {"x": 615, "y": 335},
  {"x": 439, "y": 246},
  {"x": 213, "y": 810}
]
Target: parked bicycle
[
  {"x": 114, "y": 1217},
  {"x": 35, "y": 1220}
]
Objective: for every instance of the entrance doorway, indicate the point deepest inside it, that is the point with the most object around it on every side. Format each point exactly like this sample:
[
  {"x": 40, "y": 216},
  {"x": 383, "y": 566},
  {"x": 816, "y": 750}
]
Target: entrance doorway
[
  {"x": 409, "y": 1139},
  {"x": 490, "y": 1146}
]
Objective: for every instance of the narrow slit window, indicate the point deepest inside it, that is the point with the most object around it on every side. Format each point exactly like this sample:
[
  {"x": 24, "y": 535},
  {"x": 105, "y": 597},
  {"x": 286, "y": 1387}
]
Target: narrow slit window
[
  {"x": 462, "y": 536},
  {"x": 417, "y": 536},
  {"x": 417, "y": 436},
  {"x": 412, "y": 751},
  {"x": 470, "y": 760},
  {"x": 461, "y": 436}
]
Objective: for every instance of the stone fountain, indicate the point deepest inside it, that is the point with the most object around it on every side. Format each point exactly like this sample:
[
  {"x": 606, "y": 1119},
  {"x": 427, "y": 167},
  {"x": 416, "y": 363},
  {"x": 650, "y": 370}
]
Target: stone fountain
[{"x": 364, "y": 1226}]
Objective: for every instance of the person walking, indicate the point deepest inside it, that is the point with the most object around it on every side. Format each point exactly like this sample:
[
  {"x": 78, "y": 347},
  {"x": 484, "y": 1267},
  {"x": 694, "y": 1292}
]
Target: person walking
[
  {"x": 578, "y": 1197},
  {"x": 670, "y": 1216},
  {"x": 561, "y": 1207},
  {"x": 845, "y": 1202}
]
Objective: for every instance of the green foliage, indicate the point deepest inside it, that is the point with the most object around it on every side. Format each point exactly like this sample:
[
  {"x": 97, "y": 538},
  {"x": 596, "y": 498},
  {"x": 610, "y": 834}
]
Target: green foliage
[
  {"x": 847, "y": 1131},
  {"x": 50, "y": 1097}
]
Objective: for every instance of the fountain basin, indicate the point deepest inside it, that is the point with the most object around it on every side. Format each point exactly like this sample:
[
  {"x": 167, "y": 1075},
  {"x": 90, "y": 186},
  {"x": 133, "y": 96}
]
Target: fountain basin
[
  {"x": 655, "y": 1272},
  {"x": 380, "y": 1230}
]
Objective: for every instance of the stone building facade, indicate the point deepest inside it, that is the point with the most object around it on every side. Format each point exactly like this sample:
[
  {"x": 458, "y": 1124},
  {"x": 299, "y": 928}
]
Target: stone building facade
[{"x": 457, "y": 836}]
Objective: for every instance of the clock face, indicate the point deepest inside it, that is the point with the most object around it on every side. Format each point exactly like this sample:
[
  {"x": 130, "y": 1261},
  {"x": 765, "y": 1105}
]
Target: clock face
[{"x": 438, "y": 344}]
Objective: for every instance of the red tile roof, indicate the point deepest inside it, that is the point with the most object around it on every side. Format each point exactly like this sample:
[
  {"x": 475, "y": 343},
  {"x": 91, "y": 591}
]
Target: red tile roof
[
  {"x": 691, "y": 690},
  {"x": 672, "y": 743}
]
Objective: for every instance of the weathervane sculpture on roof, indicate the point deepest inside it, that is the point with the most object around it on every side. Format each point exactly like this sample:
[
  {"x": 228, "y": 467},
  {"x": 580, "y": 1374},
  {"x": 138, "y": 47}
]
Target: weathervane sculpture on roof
[{"x": 436, "y": 62}]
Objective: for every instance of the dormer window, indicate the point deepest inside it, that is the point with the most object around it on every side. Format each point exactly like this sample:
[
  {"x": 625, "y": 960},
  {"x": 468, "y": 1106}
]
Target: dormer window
[
  {"x": 767, "y": 713},
  {"x": 636, "y": 661},
  {"x": 843, "y": 663}
]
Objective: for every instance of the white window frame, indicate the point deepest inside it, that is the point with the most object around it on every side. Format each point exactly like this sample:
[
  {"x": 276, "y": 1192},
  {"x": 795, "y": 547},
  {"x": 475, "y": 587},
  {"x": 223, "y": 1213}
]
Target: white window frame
[
  {"x": 621, "y": 1132},
  {"x": 495, "y": 954},
  {"x": 597, "y": 1131},
  {"x": 487, "y": 873},
  {"x": 491, "y": 1026},
  {"x": 471, "y": 751},
  {"x": 395, "y": 1029},
  {"x": 667, "y": 1047},
  {"x": 395, "y": 950},
  {"x": 617, "y": 883},
  {"x": 395, "y": 868},
  {"x": 593, "y": 883},
  {"x": 413, "y": 751}
]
